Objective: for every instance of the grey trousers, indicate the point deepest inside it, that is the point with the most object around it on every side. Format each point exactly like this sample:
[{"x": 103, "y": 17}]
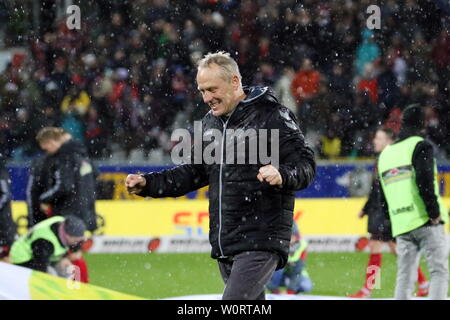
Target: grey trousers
[
  {"x": 246, "y": 274},
  {"x": 431, "y": 242}
]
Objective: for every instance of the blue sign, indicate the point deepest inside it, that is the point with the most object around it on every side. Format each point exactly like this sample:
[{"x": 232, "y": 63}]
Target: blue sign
[{"x": 332, "y": 180}]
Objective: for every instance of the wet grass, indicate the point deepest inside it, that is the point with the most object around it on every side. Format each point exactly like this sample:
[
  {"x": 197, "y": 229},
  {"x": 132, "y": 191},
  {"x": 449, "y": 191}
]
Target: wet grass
[{"x": 157, "y": 276}]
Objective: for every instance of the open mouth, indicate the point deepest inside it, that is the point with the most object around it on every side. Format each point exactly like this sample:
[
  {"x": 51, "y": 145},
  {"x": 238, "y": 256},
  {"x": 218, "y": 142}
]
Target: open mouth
[{"x": 214, "y": 106}]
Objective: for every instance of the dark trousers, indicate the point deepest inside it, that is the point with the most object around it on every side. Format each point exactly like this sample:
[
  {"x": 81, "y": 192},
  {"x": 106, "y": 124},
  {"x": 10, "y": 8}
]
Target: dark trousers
[{"x": 246, "y": 274}]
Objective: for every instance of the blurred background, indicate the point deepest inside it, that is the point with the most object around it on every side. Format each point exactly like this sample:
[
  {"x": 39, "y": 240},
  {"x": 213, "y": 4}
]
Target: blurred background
[{"x": 126, "y": 78}]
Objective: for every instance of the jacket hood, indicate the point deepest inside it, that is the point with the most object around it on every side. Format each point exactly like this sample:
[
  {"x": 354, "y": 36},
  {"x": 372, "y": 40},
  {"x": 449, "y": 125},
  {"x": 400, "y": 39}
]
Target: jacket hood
[
  {"x": 413, "y": 117},
  {"x": 258, "y": 93},
  {"x": 254, "y": 94},
  {"x": 73, "y": 146},
  {"x": 413, "y": 121}
]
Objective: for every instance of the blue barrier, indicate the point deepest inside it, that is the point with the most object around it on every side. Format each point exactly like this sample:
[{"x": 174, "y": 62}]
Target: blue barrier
[{"x": 332, "y": 180}]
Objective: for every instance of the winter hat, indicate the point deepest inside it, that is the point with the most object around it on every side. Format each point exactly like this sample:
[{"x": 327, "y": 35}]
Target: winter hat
[
  {"x": 74, "y": 226},
  {"x": 413, "y": 117}
]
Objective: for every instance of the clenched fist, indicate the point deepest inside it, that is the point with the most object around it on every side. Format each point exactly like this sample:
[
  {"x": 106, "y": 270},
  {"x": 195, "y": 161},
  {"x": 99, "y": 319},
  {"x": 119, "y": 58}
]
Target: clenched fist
[
  {"x": 135, "y": 183},
  {"x": 270, "y": 174}
]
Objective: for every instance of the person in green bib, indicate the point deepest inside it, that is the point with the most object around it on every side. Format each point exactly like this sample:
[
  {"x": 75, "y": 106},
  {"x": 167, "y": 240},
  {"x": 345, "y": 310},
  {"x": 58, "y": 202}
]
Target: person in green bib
[
  {"x": 410, "y": 196},
  {"x": 47, "y": 243},
  {"x": 293, "y": 276}
]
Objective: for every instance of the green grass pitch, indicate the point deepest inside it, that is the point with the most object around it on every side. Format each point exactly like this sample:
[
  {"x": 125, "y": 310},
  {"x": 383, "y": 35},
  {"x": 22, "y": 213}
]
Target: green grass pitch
[{"x": 158, "y": 275}]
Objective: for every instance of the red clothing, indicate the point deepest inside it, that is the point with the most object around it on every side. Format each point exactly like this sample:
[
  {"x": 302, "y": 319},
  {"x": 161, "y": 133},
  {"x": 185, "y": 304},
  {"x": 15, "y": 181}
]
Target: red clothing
[
  {"x": 371, "y": 86},
  {"x": 372, "y": 271},
  {"x": 305, "y": 83},
  {"x": 441, "y": 51},
  {"x": 394, "y": 120},
  {"x": 83, "y": 270},
  {"x": 117, "y": 92}
]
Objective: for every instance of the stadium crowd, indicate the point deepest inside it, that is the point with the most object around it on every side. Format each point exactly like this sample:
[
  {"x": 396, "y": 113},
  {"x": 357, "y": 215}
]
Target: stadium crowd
[{"x": 127, "y": 77}]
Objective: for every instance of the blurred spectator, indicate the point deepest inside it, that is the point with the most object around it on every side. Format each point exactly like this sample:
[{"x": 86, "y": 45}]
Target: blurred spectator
[
  {"x": 434, "y": 129},
  {"x": 96, "y": 138},
  {"x": 419, "y": 61},
  {"x": 368, "y": 82},
  {"x": 330, "y": 145},
  {"x": 77, "y": 100},
  {"x": 394, "y": 120},
  {"x": 398, "y": 65},
  {"x": 265, "y": 76},
  {"x": 305, "y": 87},
  {"x": 339, "y": 82},
  {"x": 368, "y": 51},
  {"x": 283, "y": 89},
  {"x": 441, "y": 56},
  {"x": 387, "y": 87},
  {"x": 305, "y": 83}
]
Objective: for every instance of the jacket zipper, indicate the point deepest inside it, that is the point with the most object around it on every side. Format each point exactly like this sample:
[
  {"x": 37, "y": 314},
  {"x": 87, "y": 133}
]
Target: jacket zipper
[{"x": 220, "y": 185}]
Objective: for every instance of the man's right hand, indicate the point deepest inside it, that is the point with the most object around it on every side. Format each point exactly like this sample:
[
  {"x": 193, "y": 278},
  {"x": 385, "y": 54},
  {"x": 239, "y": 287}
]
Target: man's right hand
[
  {"x": 436, "y": 220},
  {"x": 46, "y": 208},
  {"x": 135, "y": 183}
]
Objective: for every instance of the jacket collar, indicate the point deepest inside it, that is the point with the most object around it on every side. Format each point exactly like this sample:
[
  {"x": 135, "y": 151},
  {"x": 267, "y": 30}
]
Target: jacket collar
[{"x": 254, "y": 94}]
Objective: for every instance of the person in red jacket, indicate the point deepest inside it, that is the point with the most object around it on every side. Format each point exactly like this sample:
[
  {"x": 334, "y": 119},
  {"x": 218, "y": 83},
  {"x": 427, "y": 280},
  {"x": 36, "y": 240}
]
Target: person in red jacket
[
  {"x": 305, "y": 87},
  {"x": 305, "y": 84}
]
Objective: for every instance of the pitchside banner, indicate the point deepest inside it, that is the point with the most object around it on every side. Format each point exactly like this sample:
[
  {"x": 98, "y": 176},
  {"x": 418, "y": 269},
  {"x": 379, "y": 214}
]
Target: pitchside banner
[
  {"x": 159, "y": 225},
  {"x": 18, "y": 283},
  {"x": 340, "y": 180}
]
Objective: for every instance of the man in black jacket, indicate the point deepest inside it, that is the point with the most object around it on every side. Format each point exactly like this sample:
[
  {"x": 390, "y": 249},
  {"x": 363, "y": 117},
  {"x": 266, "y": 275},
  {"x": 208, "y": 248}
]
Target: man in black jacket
[
  {"x": 7, "y": 225},
  {"x": 71, "y": 186},
  {"x": 251, "y": 204}
]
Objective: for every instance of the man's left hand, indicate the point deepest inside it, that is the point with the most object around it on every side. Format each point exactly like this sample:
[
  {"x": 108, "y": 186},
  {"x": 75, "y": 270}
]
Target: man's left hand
[{"x": 270, "y": 174}]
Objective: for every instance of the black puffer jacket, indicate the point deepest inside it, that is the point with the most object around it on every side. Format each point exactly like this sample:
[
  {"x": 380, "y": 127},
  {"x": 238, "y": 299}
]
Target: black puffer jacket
[
  {"x": 71, "y": 189},
  {"x": 245, "y": 214},
  {"x": 38, "y": 183},
  {"x": 7, "y": 225}
]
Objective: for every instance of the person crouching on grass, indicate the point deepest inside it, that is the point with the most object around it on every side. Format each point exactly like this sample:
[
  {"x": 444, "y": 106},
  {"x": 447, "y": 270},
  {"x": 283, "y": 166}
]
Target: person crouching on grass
[{"x": 46, "y": 246}]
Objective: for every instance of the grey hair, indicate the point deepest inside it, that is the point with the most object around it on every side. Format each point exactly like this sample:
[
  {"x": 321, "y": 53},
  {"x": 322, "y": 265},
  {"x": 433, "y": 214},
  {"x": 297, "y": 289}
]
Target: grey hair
[{"x": 227, "y": 64}]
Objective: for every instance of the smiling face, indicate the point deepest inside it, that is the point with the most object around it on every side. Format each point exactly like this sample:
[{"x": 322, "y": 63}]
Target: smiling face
[{"x": 219, "y": 91}]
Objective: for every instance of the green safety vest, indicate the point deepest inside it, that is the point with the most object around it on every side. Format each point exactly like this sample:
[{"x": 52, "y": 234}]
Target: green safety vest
[
  {"x": 398, "y": 180},
  {"x": 21, "y": 251}
]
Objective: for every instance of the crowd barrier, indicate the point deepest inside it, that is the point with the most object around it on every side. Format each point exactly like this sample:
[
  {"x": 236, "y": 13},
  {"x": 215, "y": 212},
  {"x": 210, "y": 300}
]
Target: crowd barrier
[
  {"x": 180, "y": 225},
  {"x": 338, "y": 180}
]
